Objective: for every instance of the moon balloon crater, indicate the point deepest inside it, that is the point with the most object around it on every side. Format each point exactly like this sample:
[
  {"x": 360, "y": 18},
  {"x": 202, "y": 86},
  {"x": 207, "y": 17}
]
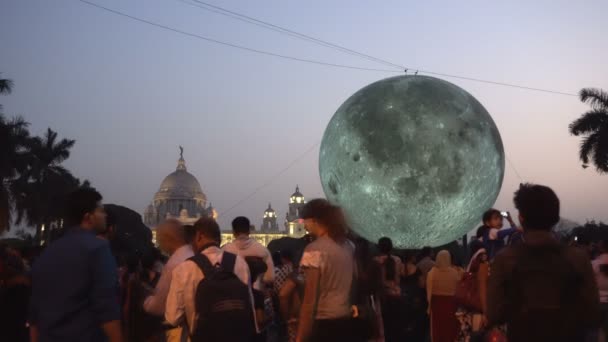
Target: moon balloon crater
[{"x": 414, "y": 158}]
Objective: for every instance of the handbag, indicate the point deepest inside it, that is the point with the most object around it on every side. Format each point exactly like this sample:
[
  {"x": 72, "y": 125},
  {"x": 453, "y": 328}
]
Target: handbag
[{"x": 467, "y": 293}]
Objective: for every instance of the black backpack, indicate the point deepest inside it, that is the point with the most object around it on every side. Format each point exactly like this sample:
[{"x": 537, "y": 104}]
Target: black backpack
[
  {"x": 223, "y": 303},
  {"x": 543, "y": 295}
]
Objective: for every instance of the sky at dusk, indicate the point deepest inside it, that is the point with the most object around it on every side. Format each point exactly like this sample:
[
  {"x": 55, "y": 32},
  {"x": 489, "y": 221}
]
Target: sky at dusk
[{"x": 130, "y": 93}]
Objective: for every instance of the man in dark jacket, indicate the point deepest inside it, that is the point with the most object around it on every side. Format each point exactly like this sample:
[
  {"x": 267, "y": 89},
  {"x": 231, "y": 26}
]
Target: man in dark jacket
[{"x": 542, "y": 290}]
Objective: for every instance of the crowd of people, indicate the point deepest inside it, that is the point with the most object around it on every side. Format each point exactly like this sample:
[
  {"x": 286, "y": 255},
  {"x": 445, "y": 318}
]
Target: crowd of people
[{"x": 520, "y": 284}]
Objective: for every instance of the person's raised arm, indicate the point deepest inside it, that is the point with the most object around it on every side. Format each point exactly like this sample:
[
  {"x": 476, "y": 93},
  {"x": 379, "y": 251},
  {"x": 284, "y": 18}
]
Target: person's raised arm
[
  {"x": 309, "y": 304},
  {"x": 104, "y": 293},
  {"x": 510, "y": 231},
  {"x": 503, "y": 233}
]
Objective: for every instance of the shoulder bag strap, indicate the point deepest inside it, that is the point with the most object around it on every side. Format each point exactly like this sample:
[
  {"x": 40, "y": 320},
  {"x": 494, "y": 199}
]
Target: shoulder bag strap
[{"x": 228, "y": 261}]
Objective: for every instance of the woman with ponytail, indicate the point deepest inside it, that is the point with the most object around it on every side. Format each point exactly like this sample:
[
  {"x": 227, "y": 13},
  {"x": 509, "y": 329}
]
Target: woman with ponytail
[
  {"x": 328, "y": 266},
  {"x": 392, "y": 307}
]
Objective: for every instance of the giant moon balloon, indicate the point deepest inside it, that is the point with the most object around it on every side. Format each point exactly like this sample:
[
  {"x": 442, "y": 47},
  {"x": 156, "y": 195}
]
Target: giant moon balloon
[{"x": 414, "y": 158}]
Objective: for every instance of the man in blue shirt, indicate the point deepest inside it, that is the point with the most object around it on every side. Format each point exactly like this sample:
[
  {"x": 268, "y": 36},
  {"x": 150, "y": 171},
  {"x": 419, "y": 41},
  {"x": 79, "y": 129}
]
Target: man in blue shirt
[{"x": 74, "y": 282}]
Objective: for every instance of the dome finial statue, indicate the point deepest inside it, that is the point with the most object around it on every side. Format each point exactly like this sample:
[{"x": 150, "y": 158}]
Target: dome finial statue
[{"x": 181, "y": 164}]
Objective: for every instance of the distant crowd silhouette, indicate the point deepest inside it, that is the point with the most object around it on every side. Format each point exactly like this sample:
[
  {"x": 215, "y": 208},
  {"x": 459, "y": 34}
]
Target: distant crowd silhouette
[{"x": 521, "y": 283}]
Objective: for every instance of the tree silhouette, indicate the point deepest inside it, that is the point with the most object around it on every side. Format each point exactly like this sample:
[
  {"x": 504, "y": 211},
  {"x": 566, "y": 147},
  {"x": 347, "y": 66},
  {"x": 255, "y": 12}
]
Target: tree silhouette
[
  {"x": 593, "y": 126},
  {"x": 33, "y": 181},
  {"x": 43, "y": 184},
  {"x": 14, "y": 136}
]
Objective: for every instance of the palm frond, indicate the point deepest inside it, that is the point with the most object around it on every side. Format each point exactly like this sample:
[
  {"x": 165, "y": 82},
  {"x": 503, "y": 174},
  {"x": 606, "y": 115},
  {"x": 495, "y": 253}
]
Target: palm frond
[
  {"x": 49, "y": 138},
  {"x": 61, "y": 151},
  {"x": 589, "y": 122},
  {"x": 596, "y": 98},
  {"x": 6, "y": 86},
  {"x": 587, "y": 147},
  {"x": 600, "y": 151}
]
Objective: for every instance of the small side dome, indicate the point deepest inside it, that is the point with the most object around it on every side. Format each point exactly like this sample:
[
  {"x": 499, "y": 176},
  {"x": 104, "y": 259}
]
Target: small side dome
[
  {"x": 270, "y": 212},
  {"x": 297, "y": 196}
]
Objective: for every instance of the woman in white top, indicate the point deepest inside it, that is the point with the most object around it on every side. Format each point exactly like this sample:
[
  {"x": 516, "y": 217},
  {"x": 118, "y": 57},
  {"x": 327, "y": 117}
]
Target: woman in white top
[{"x": 328, "y": 266}]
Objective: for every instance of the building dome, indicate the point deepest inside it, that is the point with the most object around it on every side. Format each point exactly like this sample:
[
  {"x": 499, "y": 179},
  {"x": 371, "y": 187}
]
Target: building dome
[
  {"x": 297, "y": 193},
  {"x": 180, "y": 184},
  {"x": 180, "y": 196}
]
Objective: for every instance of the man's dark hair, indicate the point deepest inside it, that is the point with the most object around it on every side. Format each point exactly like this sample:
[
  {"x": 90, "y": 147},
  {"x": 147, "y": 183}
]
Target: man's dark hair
[
  {"x": 487, "y": 216},
  {"x": 538, "y": 205},
  {"x": 209, "y": 228},
  {"x": 241, "y": 225},
  {"x": 276, "y": 259},
  {"x": 426, "y": 252},
  {"x": 110, "y": 219},
  {"x": 385, "y": 245},
  {"x": 287, "y": 255},
  {"x": 329, "y": 215},
  {"x": 188, "y": 233},
  {"x": 79, "y": 203}
]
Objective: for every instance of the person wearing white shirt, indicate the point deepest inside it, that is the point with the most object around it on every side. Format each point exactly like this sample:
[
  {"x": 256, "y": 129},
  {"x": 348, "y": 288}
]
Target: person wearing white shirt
[
  {"x": 245, "y": 246},
  {"x": 180, "y": 309},
  {"x": 170, "y": 237},
  {"x": 171, "y": 240}
]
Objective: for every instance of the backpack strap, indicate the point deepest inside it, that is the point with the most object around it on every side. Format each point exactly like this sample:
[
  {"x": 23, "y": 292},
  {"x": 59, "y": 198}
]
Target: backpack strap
[
  {"x": 228, "y": 261},
  {"x": 203, "y": 263}
]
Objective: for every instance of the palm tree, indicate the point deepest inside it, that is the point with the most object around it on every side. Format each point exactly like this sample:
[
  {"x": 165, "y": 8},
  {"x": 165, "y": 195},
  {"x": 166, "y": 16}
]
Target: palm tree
[
  {"x": 14, "y": 136},
  {"x": 42, "y": 185},
  {"x": 593, "y": 126},
  {"x": 6, "y": 85}
]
